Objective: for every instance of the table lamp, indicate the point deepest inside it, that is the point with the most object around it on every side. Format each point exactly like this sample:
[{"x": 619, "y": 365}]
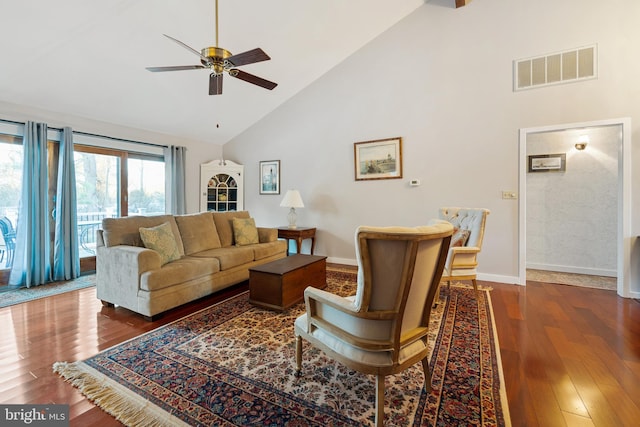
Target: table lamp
[{"x": 292, "y": 200}]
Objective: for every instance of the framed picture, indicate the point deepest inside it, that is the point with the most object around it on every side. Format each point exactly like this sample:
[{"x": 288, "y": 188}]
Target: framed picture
[
  {"x": 270, "y": 177},
  {"x": 548, "y": 163},
  {"x": 379, "y": 159}
]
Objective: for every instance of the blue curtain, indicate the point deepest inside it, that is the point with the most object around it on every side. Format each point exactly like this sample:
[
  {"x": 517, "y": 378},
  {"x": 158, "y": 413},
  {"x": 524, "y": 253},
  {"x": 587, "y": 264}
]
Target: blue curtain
[
  {"x": 32, "y": 264},
  {"x": 66, "y": 253},
  {"x": 174, "y": 159}
]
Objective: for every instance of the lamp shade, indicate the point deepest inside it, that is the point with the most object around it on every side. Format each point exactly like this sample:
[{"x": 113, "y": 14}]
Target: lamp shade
[{"x": 292, "y": 200}]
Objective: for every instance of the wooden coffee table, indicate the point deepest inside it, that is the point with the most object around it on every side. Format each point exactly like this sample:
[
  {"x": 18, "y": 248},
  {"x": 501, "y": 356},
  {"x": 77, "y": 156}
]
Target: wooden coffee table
[{"x": 279, "y": 284}]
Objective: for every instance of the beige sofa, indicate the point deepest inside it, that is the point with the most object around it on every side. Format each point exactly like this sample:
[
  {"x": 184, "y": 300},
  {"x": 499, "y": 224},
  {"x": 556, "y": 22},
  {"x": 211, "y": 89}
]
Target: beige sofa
[{"x": 130, "y": 275}]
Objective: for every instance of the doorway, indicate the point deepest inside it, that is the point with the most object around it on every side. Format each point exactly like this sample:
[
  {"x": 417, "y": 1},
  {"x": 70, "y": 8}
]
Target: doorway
[{"x": 552, "y": 194}]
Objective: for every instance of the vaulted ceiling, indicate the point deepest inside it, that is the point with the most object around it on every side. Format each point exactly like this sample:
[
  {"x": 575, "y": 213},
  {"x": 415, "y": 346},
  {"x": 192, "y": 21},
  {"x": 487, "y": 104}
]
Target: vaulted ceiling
[{"x": 87, "y": 59}]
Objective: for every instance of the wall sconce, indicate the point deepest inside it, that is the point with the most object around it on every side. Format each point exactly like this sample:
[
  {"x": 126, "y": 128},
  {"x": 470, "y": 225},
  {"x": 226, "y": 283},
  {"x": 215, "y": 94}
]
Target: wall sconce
[
  {"x": 292, "y": 200},
  {"x": 583, "y": 140}
]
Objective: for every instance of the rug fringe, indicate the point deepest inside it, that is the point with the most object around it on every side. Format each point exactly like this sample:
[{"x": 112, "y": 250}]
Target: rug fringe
[{"x": 125, "y": 406}]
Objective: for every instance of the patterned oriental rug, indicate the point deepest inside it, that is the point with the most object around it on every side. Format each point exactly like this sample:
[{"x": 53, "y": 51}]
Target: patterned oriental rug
[{"x": 232, "y": 364}]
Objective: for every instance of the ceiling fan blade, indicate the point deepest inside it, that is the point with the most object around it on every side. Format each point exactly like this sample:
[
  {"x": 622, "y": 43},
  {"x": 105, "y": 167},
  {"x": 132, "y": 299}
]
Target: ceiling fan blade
[
  {"x": 176, "y": 68},
  {"x": 215, "y": 84},
  {"x": 189, "y": 48},
  {"x": 248, "y": 57},
  {"x": 252, "y": 79}
]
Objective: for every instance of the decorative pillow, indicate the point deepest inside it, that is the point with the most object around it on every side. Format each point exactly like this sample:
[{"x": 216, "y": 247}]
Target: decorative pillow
[
  {"x": 459, "y": 237},
  {"x": 161, "y": 240},
  {"x": 245, "y": 231}
]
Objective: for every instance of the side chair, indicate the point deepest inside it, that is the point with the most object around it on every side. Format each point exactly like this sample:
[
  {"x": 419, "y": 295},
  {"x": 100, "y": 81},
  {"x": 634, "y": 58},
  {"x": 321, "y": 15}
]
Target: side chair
[
  {"x": 382, "y": 329},
  {"x": 466, "y": 243}
]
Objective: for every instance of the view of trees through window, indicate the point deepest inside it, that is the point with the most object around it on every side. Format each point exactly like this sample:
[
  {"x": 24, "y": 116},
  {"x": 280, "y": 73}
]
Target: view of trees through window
[
  {"x": 146, "y": 186},
  {"x": 97, "y": 185},
  {"x": 11, "y": 173}
]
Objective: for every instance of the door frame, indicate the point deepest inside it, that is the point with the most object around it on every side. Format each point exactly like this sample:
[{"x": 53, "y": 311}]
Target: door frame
[{"x": 624, "y": 238}]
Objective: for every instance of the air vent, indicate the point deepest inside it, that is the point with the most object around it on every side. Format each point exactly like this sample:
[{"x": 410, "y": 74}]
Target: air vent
[{"x": 556, "y": 68}]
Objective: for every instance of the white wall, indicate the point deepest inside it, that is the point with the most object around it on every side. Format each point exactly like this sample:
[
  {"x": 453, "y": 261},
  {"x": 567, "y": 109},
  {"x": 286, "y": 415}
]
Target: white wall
[
  {"x": 442, "y": 80},
  {"x": 572, "y": 216}
]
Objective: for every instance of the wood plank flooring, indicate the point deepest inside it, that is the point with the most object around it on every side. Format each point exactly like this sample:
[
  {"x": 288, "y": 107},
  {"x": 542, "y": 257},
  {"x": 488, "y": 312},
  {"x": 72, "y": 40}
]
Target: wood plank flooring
[{"x": 571, "y": 356}]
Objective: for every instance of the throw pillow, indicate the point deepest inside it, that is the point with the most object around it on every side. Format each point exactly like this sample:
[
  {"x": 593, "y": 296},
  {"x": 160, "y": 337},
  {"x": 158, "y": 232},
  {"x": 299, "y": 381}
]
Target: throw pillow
[
  {"x": 245, "y": 231},
  {"x": 161, "y": 240},
  {"x": 459, "y": 237}
]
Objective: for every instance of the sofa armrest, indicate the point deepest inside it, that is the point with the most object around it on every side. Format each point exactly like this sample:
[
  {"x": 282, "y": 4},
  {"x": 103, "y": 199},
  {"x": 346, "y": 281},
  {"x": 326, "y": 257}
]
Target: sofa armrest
[
  {"x": 118, "y": 271},
  {"x": 266, "y": 235}
]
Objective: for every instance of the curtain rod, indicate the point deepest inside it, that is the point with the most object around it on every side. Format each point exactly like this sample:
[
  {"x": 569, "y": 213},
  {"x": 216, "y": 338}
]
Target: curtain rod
[{"x": 113, "y": 138}]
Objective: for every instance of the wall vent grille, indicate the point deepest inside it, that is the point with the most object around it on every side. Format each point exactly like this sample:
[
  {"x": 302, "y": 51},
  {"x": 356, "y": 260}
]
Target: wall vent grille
[{"x": 556, "y": 68}]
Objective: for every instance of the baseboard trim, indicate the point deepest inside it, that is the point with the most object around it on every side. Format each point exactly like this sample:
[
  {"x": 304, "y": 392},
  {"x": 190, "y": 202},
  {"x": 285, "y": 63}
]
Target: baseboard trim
[{"x": 573, "y": 269}]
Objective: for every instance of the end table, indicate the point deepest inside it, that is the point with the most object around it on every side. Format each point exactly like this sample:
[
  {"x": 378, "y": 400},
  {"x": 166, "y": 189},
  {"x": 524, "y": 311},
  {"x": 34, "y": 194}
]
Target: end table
[{"x": 298, "y": 234}]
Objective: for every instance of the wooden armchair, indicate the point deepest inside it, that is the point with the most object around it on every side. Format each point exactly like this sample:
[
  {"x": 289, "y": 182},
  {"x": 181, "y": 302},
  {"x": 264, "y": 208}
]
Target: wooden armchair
[
  {"x": 466, "y": 243},
  {"x": 382, "y": 329}
]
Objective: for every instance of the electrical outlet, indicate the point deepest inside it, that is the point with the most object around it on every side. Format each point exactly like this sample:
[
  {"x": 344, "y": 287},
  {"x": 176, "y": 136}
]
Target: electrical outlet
[{"x": 509, "y": 195}]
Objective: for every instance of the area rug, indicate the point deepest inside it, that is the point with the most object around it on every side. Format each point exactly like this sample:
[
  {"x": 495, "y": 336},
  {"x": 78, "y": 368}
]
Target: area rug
[
  {"x": 17, "y": 296},
  {"x": 233, "y": 364}
]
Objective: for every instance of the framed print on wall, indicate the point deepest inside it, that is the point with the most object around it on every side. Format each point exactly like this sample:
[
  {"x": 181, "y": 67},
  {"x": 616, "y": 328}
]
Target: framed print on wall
[
  {"x": 548, "y": 163},
  {"x": 270, "y": 177},
  {"x": 379, "y": 159}
]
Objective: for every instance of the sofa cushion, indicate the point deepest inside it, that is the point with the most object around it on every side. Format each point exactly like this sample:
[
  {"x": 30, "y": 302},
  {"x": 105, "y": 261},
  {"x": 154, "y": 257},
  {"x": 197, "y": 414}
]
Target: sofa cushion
[
  {"x": 125, "y": 230},
  {"x": 177, "y": 272},
  {"x": 198, "y": 232},
  {"x": 161, "y": 239},
  {"x": 245, "y": 231},
  {"x": 229, "y": 257},
  {"x": 265, "y": 250},
  {"x": 224, "y": 225},
  {"x": 267, "y": 234}
]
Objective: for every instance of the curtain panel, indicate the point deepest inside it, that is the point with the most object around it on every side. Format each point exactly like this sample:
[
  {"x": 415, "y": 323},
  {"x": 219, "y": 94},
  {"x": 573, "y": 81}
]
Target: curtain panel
[
  {"x": 175, "y": 166},
  {"x": 31, "y": 263},
  {"x": 66, "y": 257}
]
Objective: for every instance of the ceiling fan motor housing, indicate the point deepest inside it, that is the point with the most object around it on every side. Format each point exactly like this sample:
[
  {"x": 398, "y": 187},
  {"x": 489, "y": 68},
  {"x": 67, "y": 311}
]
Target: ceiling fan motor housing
[{"x": 216, "y": 58}]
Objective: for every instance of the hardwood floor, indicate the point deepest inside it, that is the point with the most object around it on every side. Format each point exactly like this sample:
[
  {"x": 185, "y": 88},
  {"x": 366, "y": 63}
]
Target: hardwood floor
[{"x": 571, "y": 356}]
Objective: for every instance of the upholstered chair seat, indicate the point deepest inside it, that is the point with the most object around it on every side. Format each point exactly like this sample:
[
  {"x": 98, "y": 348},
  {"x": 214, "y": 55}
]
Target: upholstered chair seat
[{"x": 382, "y": 329}]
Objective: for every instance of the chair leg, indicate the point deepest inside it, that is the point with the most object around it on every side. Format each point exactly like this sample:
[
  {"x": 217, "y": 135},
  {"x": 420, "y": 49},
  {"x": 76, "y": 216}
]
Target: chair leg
[
  {"x": 379, "y": 401},
  {"x": 427, "y": 375},
  {"x": 475, "y": 285},
  {"x": 298, "y": 372}
]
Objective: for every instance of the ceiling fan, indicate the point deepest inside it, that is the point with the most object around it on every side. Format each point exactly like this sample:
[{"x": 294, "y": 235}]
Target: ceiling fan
[{"x": 219, "y": 61}]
